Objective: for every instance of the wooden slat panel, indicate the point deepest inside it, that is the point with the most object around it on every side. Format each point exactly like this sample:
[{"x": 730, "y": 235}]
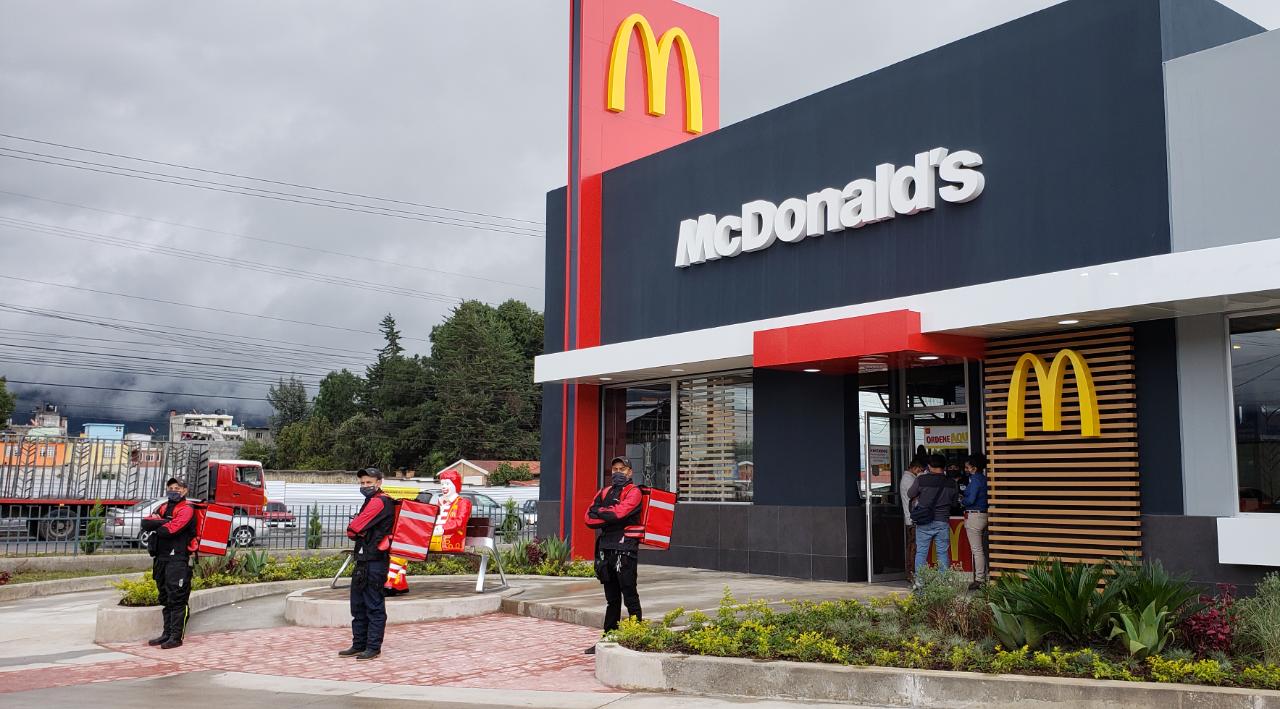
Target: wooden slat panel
[{"x": 1058, "y": 493}]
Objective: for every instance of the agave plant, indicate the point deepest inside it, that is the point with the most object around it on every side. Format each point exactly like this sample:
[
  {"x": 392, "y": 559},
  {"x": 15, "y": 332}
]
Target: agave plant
[
  {"x": 1014, "y": 630},
  {"x": 1142, "y": 583},
  {"x": 1065, "y": 600},
  {"x": 1142, "y": 634}
]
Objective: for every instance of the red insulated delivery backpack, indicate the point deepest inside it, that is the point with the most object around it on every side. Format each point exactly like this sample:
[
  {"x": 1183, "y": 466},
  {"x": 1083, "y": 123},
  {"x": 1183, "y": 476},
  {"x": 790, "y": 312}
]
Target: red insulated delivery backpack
[
  {"x": 213, "y": 529},
  {"x": 657, "y": 517},
  {"x": 411, "y": 532}
]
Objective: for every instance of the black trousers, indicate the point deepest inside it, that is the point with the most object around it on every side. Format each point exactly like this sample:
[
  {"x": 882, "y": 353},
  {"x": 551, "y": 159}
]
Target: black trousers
[
  {"x": 368, "y": 605},
  {"x": 173, "y": 580},
  {"x": 617, "y": 571}
]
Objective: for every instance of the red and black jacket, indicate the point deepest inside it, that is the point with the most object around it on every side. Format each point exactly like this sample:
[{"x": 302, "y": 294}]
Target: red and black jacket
[
  {"x": 615, "y": 514},
  {"x": 371, "y": 528},
  {"x": 173, "y": 528}
]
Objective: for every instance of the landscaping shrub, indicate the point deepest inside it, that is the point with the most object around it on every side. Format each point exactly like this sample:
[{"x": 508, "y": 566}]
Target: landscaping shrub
[
  {"x": 1212, "y": 628},
  {"x": 315, "y": 529},
  {"x": 1142, "y": 634},
  {"x": 1258, "y": 620},
  {"x": 93, "y": 533},
  {"x": 1143, "y": 583},
  {"x": 1061, "y": 599}
]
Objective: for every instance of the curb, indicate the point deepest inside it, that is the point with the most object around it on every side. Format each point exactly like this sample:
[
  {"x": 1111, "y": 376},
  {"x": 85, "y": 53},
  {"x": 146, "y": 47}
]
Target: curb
[
  {"x": 619, "y": 667},
  {"x": 119, "y": 624},
  {"x": 332, "y": 613},
  {"x": 19, "y": 591}
]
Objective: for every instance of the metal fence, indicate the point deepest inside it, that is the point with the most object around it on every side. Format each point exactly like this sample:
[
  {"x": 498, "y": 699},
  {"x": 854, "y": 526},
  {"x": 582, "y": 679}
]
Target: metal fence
[
  {"x": 42, "y": 467},
  {"x": 24, "y": 530}
]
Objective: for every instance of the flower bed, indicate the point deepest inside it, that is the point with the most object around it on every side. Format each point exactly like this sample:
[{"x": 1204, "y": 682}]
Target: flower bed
[
  {"x": 550, "y": 559},
  {"x": 1056, "y": 621}
]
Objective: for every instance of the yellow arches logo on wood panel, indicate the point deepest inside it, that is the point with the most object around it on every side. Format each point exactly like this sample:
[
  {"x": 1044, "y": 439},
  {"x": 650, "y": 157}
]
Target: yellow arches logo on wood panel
[
  {"x": 1050, "y": 384},
  {"x": 656, "y": 53}
]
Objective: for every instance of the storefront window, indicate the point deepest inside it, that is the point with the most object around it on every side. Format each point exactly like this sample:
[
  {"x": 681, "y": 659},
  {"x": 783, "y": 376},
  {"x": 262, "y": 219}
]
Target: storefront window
[
  {"x": 637, "y": 424},
  {"x": 716, "y": 439},
  {"x": 1255, "y": 377}
]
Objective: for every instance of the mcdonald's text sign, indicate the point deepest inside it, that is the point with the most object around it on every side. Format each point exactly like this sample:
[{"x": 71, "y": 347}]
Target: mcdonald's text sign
[{"x": 1050, "y": 383}]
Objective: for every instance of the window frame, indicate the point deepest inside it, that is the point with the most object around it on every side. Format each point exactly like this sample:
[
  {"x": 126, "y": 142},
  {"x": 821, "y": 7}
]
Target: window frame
[
  {"x": 1231, "y": 409},
  {"x": 674, "y": 384}
]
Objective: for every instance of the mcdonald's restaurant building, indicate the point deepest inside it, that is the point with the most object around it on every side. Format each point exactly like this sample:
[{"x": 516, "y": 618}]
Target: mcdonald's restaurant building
[{"x": 1055, "y": 242}]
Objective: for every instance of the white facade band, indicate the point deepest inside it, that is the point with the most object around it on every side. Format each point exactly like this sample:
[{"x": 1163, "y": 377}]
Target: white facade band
[{"x": 909, "y": 189}]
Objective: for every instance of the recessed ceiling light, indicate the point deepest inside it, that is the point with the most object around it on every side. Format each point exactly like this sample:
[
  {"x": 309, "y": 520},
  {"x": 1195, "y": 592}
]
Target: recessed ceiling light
[
  {"x": 1068, "y": 322},
  {"x": 928, "y": 358},
  {"x": 1085, "y": 274},
  {"x": 1113, "y": 273},
  {"x": 1235, "y": 347},
  {"x": 606, "y": 379},
  {"x": 813, "y": 371},
  {"x": 677, "y": 370}
]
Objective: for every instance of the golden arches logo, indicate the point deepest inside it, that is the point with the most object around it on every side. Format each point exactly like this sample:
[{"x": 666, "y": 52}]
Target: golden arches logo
[
  {"x": 1050, "y": 384},
  {"x": 657, "y": 54}
]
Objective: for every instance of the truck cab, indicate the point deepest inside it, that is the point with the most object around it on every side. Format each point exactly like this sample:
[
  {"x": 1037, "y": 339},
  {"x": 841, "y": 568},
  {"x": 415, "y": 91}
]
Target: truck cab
[{"x": 239, "y": 484}]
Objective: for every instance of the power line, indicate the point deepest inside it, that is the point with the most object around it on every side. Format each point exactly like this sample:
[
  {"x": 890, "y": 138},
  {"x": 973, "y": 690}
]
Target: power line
[
  {"x": 205, "y": 257},
  {"x": 141, "y": 358},
  {"x": 197, "y": 307},
  {"x": 265, "y": 194},
  {"x": 137, "y": 391},
  {"x": 199, "y": 336},
  {"x": 234, "y": 235},
  {"x": 261, "y": 179}
]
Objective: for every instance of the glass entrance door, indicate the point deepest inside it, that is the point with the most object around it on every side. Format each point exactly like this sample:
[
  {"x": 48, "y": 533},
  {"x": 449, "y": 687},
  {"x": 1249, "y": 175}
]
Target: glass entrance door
[{"x": 888, "y": 446}]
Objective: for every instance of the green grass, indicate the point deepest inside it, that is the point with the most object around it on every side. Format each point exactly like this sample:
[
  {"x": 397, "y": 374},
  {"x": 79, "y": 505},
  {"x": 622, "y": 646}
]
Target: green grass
[{"x": 32, "y": 576}]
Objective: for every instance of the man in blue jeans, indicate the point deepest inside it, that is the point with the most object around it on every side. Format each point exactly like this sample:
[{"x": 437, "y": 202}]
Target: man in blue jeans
[{"x": 932, "y": 495}]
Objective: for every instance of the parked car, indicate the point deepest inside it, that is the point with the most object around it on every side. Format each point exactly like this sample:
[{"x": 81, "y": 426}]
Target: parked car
[
  {"x": 126, "y": 523},
  {"x": 277, "y": 515},
  {"x": 529, "y": 510},
  {"x": 485, "y": 506}
]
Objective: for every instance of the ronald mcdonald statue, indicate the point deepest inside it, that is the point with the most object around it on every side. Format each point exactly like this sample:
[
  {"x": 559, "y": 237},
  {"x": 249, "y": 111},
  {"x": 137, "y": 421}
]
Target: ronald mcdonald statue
[{"x": 451, "y": 523}]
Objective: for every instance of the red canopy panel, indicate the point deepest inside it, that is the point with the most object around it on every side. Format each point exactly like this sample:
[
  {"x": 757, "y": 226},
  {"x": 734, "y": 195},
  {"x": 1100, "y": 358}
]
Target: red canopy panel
[{"x": 839, "y": 345}]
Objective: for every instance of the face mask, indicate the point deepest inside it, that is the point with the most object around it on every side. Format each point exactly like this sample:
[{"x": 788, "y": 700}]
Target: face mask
[
  {"x": 368, "y": 491},
  {"x": 173, "y": 496},
  {"x": 621, "y": 479}
]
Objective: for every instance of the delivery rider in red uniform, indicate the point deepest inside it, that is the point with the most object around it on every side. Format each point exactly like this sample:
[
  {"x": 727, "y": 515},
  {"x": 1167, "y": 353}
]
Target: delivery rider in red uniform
[
  {"x": 371, "y": 530},
  {"x": 173, "y": 536},
  {"x": 615, "y": 515}
]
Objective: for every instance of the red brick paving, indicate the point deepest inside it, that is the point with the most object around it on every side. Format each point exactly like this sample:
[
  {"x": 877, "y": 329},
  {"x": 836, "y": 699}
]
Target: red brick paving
[
  {"x": 495, "y": 651},
  {"x": 46, "y": 677}
]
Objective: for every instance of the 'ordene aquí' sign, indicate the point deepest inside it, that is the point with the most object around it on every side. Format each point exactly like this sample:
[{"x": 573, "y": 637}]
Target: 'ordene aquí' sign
[{"x": 895, "y": 190}]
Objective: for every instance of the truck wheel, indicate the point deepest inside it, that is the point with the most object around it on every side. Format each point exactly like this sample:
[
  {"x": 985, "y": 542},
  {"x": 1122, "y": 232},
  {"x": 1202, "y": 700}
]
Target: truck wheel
[
  {"x": 242, "y": 537},
  {"x": 58, "y": 526}
]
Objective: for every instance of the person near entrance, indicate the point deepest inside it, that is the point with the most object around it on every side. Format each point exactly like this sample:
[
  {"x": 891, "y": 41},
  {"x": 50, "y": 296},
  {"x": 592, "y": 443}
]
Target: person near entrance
[
  {"x": 371, "y": 530},
  {"x": 913, "y": 471},
  {"x": 933, "y": 493},
  {"x": 615, "y": 515},
  {"x": 975, "y": 516},
  {"x": 173, "y": 534}
]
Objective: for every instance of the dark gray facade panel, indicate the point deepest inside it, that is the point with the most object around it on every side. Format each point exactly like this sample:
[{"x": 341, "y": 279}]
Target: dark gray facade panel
[
  {"x": 1189, "y": 545},
  {"x": 1065, "y": 106},
  {"x": 553, "y": 288},
  {"x": 1188, "y": 26},
  {"x": 801, "y": 439},
  {"x": 552, "y": 454},
  {"x": 1159, "y": 433}
]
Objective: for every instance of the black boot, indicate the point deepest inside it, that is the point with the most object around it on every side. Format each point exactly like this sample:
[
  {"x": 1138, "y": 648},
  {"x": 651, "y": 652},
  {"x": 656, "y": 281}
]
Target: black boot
[
  {"x": 158, "y": 641},
  {"x": 171, "y": 644},
  {"x": 368, "y": 655},
  {"x": 350, "y": 652}
]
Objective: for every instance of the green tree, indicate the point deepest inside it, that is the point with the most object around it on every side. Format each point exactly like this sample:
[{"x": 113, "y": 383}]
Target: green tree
[
  {"x": 338, "y": 397},
  {"x": 357, "y": 444},
  {"x": 305, "y": 445},
  {"x": 289, "y": 399},
  {"x": 505, "y": 473},
  {"x": 315, "y": 530},
  {"x": 259, "y": 451},
  {"x": 392, "y": 347},
  {"x": 93, "y": 533},
  {"x": 483, "y": 401},
  {"x": 7, "y": 401},
  {"x": 526, "y": 328}
]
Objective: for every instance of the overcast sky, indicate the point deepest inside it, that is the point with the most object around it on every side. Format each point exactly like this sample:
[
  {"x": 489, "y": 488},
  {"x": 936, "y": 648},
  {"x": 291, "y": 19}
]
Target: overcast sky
[{"x": 459, "y": 105}]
